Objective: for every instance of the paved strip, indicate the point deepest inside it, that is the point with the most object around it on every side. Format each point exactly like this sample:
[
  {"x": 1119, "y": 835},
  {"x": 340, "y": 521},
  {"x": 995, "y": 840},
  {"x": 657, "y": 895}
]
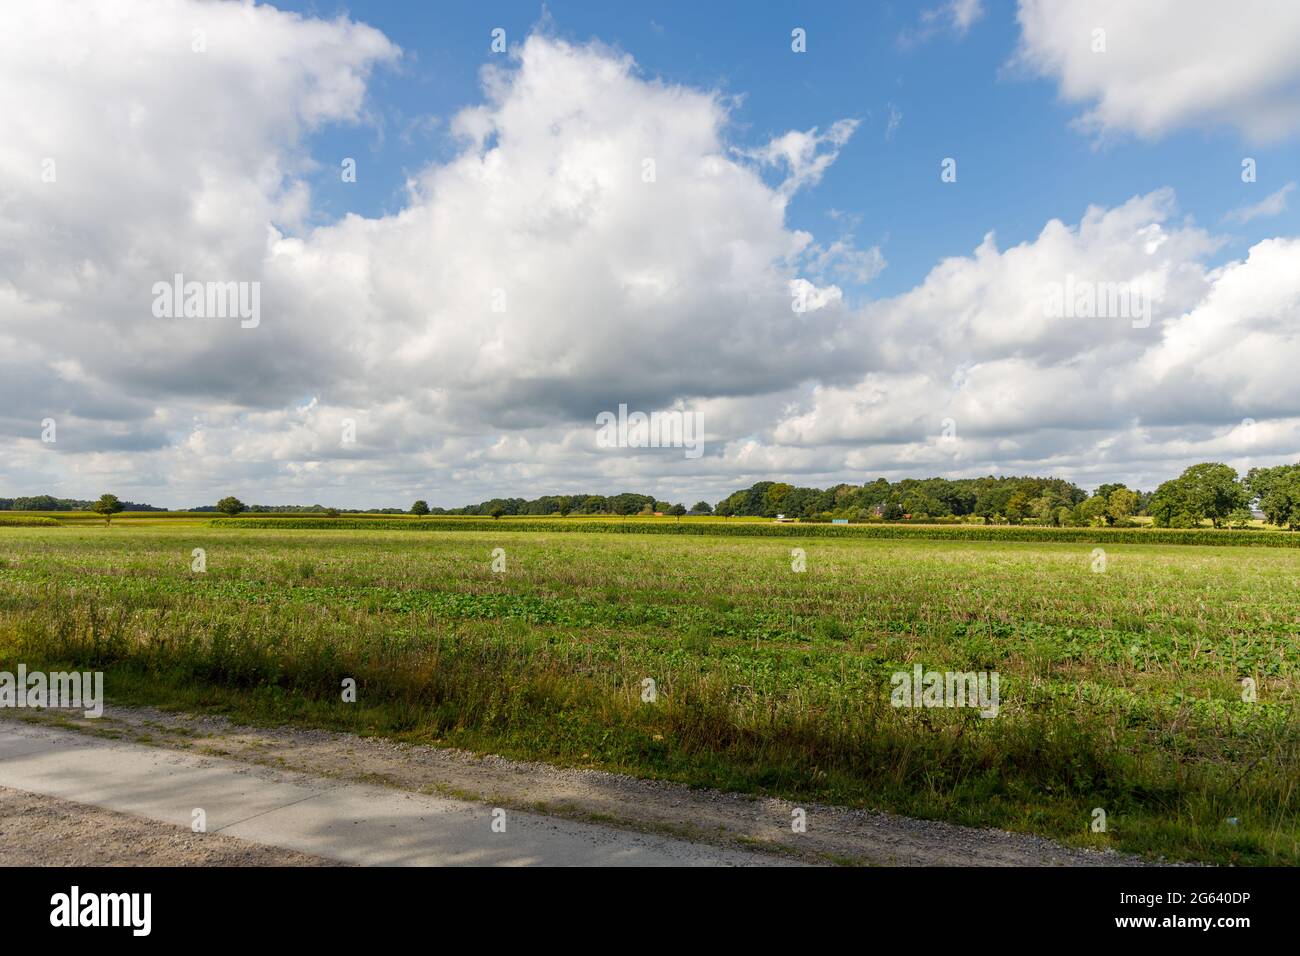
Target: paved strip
[{"x": 352, "y": 823}]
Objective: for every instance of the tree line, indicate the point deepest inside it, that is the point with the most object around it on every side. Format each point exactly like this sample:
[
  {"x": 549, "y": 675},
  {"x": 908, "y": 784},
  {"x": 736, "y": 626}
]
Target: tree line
[
  {"x": 1209, "y": 491},
  {"x": 50, "y": 503}
]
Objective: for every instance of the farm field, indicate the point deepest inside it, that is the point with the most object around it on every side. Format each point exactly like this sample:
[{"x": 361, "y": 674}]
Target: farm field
[{"x": 1120, "y": 689}]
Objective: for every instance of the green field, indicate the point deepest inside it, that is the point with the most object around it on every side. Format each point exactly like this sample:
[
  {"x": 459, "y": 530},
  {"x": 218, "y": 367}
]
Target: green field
[{"x": 1120, "y": 690}]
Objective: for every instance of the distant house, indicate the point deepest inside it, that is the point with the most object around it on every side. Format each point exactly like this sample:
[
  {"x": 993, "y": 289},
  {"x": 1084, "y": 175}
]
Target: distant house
[{"x": 783, "y": 518}]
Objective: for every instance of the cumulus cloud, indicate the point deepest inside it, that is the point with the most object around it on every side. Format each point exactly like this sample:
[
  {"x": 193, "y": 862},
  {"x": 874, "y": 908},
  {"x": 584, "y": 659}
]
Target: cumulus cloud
[
  {"x": 138, "y": 141},
  {"x": 1152, "y": 67},
  {"x": 595, "y": 240},
  {"x": 978, "y": 375}
]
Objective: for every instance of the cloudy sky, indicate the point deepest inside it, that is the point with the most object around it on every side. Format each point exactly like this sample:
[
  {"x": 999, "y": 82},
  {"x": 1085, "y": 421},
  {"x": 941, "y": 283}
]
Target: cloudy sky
[{"x": 831, "y": 235}]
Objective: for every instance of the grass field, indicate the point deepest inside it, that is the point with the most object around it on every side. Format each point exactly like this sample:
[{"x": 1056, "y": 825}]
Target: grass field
[{"x": 1120, "y": 690}]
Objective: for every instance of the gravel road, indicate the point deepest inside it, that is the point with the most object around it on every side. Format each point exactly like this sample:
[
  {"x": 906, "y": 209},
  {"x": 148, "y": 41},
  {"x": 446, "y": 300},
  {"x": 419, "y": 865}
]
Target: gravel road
[
  {"x": 40, "y": 830},
  {"x": 730, "y": 821}
]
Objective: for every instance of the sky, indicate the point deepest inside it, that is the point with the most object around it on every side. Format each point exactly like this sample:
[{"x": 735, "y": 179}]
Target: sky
[{"x": 833, "y": 239}]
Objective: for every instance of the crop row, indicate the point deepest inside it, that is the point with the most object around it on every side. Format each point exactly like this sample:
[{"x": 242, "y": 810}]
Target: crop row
[{"x": 1198, "y": 536}]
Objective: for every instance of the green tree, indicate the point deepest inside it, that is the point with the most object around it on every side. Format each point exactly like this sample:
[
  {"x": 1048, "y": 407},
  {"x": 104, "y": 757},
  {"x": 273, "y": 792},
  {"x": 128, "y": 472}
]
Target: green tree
[
  {"x": 702, "y": 508},
  {"x": 1278, "y": 493},
  {"x": 1105, "y": 491},
  {"x": 1093, "y": 510},
  {"x": 496, "y": 511},
  {"x": 231, "y": 506},
  {"x": 1240, "y": 518},
  {"x": 421, "y": 507},
  {"x": 107, "y": 505},
  {"x": 1167, "y": 508},
  {"x": 1121, "y": 504},
  {"x": 1208, "y": 490},
  {"x": 774, "y": 499},
  {"x": 1017, "y": 507},
  {"x": 677, "y": 511},
  {"x": 1211, "y": 490}
]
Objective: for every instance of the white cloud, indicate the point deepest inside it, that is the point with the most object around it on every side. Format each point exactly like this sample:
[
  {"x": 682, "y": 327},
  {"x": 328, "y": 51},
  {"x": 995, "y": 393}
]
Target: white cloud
[
  {"x": 895, "y": 119},
  {"x": 956, "y": 16},
  {"x": 1169, "y": 64},
  {"x": 972, "y": 345},
  {"x": 1271, "y": 205},
  {"x": 611, "y": 287},
  {"x": 805, "y": 155}
]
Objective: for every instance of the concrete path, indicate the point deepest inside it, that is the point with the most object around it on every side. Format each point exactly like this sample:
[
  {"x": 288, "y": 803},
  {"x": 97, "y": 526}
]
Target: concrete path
[{"x": 342, "y": 821}]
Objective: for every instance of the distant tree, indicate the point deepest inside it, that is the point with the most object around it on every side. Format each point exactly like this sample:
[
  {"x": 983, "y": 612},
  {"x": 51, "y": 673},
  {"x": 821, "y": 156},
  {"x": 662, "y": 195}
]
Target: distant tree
[
  {"x": 1211, "y": 490},
  {"x": 1167, "y": 508},
  {"x": 331, "y": 512},
  {"x": 231, "y": 506},
  {"x": 1092, "y": 511},
  {"x": 1208, "y": 490},
  {"x": 1278, "y": 493},
  {"x": 497, "y": 511},
  {"x": 1045, "y": 509},
  {"x": 774, "y": 498},
  {"x": 702, "y": 508},
  {"x": 1240, "y": 518},
  {"x": 1017, "y": 508},
  {"x": 628, "y": 503},
  {"x": 1105, "y": 491},
  {"x": 565, "y": 508},
  {"x": 1121, "y": 504},
  {"x": 677, "y": 511},
  {"x": 421, "y": 507},
  {"x": 107, "y": 505}
]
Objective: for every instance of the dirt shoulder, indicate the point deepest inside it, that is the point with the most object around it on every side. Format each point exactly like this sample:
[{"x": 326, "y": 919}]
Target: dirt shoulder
[{"x": 833, "y": 834}]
